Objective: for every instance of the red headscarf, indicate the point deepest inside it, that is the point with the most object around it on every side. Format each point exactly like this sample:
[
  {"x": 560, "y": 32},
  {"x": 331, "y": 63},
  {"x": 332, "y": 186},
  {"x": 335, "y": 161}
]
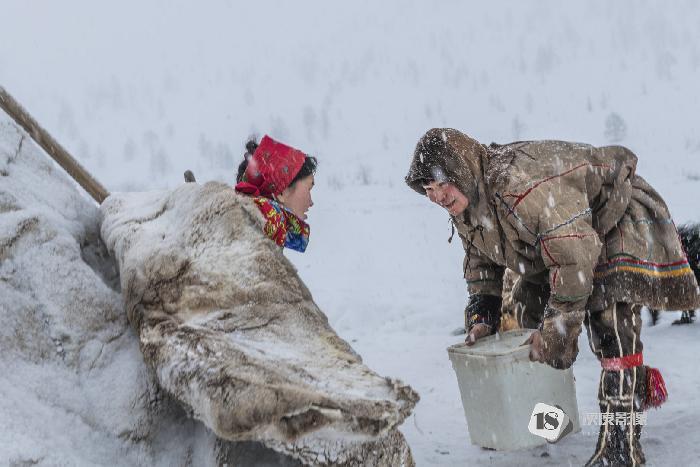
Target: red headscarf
[{"x": 270, "y": 169}]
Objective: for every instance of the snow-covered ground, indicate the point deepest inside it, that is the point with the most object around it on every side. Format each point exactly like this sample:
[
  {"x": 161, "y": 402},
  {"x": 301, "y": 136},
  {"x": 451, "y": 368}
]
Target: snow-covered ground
[
  {"x": 141, "y": 91},
  {"x": 394, "y": 291}
]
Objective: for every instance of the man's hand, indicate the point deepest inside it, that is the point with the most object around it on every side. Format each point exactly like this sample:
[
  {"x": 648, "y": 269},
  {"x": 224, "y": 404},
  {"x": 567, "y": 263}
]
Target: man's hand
[
  {"x": 536, "y": 347},
  {"x": 482, "y": 316},
  {"x": 556, "y": 343},
  {"x": 477, "y": 332}
]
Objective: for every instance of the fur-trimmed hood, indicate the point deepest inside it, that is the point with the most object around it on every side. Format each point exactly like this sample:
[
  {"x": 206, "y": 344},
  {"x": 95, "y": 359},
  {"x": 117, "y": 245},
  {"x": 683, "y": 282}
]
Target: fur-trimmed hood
[{"x": 445, "y": 154}]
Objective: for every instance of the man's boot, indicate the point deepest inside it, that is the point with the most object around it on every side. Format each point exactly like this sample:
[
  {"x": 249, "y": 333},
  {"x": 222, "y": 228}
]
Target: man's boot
[
  {"x": 687, "y": 317},
  {"x": 618, "y": 441}
]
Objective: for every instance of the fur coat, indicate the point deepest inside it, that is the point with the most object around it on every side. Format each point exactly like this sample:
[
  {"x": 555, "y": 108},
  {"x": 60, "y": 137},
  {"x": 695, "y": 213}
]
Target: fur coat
[{"x": 569, "y": 215}]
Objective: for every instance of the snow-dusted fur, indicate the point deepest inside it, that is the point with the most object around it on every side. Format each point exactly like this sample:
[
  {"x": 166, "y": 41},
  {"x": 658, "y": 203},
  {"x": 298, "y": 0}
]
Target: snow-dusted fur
[{"x": 233, "y": 333}]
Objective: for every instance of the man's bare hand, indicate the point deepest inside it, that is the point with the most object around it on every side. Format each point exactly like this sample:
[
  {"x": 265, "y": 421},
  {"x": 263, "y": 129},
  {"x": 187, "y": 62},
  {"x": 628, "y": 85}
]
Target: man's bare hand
[
  {"x": 477, "y": 332},
  {"x": 536, "y": 347}
]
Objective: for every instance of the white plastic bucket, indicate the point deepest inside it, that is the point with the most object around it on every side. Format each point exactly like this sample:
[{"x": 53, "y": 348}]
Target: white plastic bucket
[{"x": 500, "y": 387}]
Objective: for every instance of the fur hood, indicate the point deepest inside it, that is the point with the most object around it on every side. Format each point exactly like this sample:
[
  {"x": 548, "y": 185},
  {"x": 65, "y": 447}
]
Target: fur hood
[{"x": 445, "y": 154}]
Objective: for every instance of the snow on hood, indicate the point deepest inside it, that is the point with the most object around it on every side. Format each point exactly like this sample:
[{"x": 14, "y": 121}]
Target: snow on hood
[{"x": 446, "y": 154}]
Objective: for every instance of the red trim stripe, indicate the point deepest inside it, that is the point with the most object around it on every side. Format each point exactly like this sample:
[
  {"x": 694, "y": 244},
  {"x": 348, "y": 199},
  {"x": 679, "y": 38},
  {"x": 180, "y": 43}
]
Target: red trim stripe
[{"x": 622, "y": 363}]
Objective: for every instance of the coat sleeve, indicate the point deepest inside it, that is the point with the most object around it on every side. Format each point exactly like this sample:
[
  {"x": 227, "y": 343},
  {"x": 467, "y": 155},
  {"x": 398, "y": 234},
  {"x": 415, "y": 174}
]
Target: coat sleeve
[
  {"x": 556, "y": 218},
  {"x": 485, "y": 285},
  {"x": 569, "y": 247},
  {"x": 483, "y": 276}
]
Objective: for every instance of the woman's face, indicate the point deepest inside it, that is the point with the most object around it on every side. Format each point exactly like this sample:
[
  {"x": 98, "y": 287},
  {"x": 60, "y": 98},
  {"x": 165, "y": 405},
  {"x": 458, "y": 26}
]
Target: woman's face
[
  {"x": 297, "y": 197},
  {"x": 448, "y": 196}
]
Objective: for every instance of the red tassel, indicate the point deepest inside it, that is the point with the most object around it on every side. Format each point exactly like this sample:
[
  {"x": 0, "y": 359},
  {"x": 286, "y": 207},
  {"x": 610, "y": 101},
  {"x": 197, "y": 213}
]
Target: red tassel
[{"x": 656, "y": 389}]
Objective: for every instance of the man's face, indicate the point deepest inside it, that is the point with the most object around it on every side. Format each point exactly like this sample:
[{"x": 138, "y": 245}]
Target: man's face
[{"x": 448, "y": 196}]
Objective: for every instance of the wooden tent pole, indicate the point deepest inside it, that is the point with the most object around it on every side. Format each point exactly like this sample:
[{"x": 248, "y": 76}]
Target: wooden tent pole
[{"x": 52, "y": 148}]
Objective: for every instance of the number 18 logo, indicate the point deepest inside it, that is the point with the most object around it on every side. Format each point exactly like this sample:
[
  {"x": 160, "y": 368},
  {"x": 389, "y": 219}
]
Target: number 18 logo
[{"x": 549, "y": 422}]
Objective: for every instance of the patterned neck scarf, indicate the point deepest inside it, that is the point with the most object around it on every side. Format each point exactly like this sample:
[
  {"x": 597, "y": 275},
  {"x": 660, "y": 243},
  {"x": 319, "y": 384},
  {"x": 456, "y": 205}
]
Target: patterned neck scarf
[{"x": 282, "y": 226}]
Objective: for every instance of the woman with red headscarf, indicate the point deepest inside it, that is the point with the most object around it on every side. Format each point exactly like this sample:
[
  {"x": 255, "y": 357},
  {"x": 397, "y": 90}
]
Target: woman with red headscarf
[{"x": 279, "y": 178}]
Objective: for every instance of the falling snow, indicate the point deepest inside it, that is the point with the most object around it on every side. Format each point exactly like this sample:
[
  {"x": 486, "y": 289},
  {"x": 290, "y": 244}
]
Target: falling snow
[{"x": 357, "y": 86}]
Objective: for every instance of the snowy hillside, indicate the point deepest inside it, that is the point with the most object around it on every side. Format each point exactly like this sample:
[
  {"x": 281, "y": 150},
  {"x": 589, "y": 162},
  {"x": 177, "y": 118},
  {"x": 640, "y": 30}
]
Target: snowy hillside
[{"x": 141, "y": 91}]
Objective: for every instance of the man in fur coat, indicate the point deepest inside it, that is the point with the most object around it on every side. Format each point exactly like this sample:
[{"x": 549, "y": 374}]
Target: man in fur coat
[{"x": 590, "y": 241}]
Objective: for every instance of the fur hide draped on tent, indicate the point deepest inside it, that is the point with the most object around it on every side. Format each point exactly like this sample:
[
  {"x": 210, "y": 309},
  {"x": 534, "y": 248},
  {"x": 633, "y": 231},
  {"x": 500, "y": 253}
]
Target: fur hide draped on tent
[{"x": 233, "y": 333}]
